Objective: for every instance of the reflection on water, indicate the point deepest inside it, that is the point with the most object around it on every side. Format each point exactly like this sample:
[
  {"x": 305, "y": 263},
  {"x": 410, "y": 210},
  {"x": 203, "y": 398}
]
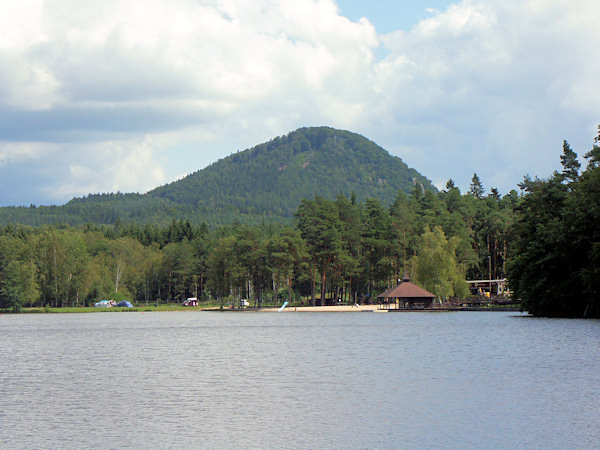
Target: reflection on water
[{"x": 304, "y": 380}]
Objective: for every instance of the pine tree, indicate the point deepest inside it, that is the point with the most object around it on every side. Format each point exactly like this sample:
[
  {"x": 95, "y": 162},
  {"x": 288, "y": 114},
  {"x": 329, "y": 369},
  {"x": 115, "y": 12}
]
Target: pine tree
[
  {"x": 570, "y": 164},
  {"x": 476, "y": 189},
  {"x": 593, "y": 156}
]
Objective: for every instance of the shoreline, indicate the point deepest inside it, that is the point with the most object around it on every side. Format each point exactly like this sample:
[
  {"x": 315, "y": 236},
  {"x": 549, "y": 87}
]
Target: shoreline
[
  {"x": 333, "y": 308},
  {"x": 379, "y": 308}
]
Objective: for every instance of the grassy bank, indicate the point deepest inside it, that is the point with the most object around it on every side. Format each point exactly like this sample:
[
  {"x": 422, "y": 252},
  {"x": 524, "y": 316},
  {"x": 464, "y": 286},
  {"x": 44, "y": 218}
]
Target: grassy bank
[{"x": 91, "y": 309}]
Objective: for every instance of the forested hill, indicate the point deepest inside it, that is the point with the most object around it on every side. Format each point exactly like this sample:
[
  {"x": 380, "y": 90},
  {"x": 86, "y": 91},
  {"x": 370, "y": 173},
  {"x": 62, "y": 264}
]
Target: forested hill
[
  {"x": 273, "y": 178},
  {"x": 264, "y": 183}
]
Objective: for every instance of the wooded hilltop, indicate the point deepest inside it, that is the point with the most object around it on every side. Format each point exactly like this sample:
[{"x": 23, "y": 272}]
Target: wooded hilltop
[
  {"x": 543, "y": 237},
  {"x": 263, "y": 184}
]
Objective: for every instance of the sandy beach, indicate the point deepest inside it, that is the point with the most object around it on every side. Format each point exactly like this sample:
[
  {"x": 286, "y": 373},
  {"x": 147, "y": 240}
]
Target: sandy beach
[{"x": 336, "y": 308}]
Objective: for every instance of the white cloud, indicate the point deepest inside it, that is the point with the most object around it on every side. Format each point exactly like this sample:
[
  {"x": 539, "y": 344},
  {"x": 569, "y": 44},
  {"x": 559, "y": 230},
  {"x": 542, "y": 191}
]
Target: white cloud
[
  {"x": 166, "y": 87},
  {"x": 25, "y": 82},
  {"x": 58, "y": 172},
  {"x": 502, "y": 81},
  {"x": 114, "y": 166},
  {"x": 22, "y": 152}
]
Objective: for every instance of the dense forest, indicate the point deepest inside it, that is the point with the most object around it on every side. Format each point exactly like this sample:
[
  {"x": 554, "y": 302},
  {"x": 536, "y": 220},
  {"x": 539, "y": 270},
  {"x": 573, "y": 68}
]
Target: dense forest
[
  {"x": 263, "y": 184},
  {"x": 336, "y": 249},
  {"x": 544, "y": 238},
  {"x": 555, "y": 268}
]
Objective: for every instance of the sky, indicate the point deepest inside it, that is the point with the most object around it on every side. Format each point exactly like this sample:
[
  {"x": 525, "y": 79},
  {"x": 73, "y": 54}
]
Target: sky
[{"x": 127, "y": 95}]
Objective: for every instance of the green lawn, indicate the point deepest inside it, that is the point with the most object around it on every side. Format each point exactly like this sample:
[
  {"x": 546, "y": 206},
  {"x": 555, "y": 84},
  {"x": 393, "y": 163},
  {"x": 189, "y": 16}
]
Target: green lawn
[{"x": 91, "y": 309}]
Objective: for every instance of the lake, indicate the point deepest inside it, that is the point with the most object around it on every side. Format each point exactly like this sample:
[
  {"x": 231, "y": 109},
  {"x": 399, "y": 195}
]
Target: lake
[{"x": 298, "y": 380}]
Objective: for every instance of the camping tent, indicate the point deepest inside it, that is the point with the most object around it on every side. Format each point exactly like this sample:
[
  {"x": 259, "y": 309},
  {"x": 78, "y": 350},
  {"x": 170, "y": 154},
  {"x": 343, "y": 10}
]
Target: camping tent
[{"x": 125, "y": 303}]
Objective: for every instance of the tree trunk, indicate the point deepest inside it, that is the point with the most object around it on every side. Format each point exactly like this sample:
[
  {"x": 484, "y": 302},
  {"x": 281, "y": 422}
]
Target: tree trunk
[
  {"x": 169, "y": 291},
  {"x": 504, "y": 259},
  {"x": 55, "y": 276},
  {"x": 276, "y": 291},
  {"x": 349, "y": 291},
  {"x": 323, "y": 287},
  {"x": 158, "y": 285},
  {"x": 312, "y": 286},
  {"x": 118, "y": 275}
]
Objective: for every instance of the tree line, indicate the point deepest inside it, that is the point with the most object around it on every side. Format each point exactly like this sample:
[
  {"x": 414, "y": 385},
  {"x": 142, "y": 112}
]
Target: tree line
[
  {"x": 338, "y": 249},
  {"x": 555, "y": 270},
  {"x": 545, "y": 239}
]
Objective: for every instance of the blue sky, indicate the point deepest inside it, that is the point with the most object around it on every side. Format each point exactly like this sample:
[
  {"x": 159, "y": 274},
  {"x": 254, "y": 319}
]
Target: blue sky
[
  {"x": 127, "y": 95},
  {"x": 390, "y": 15}
]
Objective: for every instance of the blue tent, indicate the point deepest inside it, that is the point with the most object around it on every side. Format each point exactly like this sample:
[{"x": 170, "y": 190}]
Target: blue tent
[{"x": 125, "y": 303}]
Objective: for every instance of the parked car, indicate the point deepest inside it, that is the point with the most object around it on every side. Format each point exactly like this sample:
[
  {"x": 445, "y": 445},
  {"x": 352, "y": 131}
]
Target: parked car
[
  {"x": 104, "y": 304},
  {"x": 192, "y": 301}
]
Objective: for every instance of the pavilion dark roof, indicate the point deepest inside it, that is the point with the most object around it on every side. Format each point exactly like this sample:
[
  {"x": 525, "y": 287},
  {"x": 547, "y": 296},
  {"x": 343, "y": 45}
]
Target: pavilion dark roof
[{"x": 406, "y": 289}]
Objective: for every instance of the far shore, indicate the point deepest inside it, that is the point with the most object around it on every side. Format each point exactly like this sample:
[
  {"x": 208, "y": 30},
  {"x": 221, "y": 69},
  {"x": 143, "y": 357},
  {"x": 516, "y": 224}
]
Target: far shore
[
  {"x": 371, "y": 308},
  {"x": 333, "y": 308}
]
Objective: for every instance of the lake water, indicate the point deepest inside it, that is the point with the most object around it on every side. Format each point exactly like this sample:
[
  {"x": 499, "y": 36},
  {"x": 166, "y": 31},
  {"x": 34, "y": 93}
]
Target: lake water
[{"x": 303, "y": 380}]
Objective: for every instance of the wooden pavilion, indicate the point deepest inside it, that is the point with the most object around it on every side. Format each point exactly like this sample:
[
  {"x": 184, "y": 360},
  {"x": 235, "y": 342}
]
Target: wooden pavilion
[{"x": 408, "y": 295}]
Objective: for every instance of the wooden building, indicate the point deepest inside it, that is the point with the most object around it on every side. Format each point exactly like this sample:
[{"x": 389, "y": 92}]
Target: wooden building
[{"x": 408, "y": 295}]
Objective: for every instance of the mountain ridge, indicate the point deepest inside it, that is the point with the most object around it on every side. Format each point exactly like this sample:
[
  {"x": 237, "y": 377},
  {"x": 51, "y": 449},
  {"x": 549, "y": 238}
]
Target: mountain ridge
[{"x": 264, "y": 183}]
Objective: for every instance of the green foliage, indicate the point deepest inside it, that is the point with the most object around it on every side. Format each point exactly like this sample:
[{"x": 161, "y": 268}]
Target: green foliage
[
  {"x": 319, "y": 223},
  {"x": 538, "y": 273},
  {"x": 377, "y": 243},
  {"x": 62, "y": 264},
  {"x": 570, "y": 163},
  {"x": 159, "y": 246},
  {"x": 118, "y": 297},
  {"x": 593, "y": 156},
  {"x": 555, "y": 268},
  {"x": 259, "y": 185},
  {"x": 476, "y": 189},
  {"x": 345, "y": 248},
  {"x": 18, "y": 285},
  {"x": 436, "y": 265},
  {"x": 287, "y": 258}
]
